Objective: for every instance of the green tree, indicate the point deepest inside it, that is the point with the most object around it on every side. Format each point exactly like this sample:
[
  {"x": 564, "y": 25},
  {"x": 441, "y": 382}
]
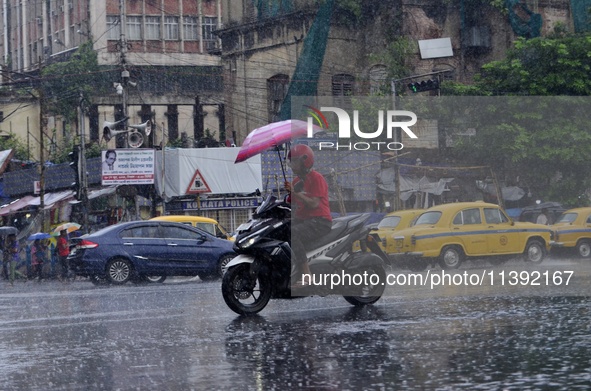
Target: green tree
[
  {"x": 544, "y": 141},
  {"x": 64, "y": 82},
  {"x": 13, "y": 142},
  {"x": 541, "y": 66}
]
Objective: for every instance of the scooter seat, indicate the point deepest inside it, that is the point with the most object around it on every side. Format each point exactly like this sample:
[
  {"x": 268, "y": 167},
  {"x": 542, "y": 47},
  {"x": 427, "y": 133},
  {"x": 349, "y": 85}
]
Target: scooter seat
[{"x": 340, "y": 226}]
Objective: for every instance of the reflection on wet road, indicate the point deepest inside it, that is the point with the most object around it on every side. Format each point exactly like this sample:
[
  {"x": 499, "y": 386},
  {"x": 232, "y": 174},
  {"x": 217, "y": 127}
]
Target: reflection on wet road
[{"x": 180, "y": 335}]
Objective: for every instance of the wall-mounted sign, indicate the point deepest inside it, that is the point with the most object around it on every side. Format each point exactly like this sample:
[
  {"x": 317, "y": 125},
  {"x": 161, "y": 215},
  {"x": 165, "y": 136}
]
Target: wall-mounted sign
[
  {"x": 128, "y": 167},
  {"x": 215, "y": 203},
  {"x": 435, "y": 48}
]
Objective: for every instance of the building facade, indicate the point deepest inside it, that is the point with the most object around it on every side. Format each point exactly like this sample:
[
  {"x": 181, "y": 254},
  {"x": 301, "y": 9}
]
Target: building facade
[
  {"x": 263, "y": 42},
  {"x": 163, "y": 53}
]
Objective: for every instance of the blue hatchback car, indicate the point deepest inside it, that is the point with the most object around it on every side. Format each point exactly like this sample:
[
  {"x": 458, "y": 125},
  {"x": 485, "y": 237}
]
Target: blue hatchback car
[{"x": 149, "y": 250}]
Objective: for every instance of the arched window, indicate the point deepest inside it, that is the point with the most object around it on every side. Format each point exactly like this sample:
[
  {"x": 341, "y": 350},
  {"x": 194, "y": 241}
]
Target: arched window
[
  {"x": 276, "y": 92},
  {"x": 342, "y": 88}
]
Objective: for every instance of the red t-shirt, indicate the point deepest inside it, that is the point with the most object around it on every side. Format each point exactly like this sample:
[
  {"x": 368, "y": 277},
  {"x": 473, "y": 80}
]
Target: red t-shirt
[
  {"x": 314, "y": 186},
  {"x": 63, "y": 250}
]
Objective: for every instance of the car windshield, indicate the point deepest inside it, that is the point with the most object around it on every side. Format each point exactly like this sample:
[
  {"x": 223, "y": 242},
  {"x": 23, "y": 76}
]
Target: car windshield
[
  {"x": 428, "y": 218},
  {"x": 567, "y": 218},
  {"x": 389, "y": 222},
  {"x": 209, "y": 227}
]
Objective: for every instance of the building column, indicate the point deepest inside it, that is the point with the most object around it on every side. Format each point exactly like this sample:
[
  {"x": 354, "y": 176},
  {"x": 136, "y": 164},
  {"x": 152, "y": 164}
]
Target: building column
[
  {"x": 93, "y": 123},
  {"x": 172, "y": 114},
  {"x": 198, "y": 124}
]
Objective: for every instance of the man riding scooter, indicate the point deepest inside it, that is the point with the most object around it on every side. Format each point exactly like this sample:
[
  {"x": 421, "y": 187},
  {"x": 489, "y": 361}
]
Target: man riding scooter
[{"x": 308, "y": 195}]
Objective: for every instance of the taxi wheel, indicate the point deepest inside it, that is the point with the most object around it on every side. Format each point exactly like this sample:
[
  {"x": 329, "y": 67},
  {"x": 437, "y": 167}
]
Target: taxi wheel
[
  {"x": 451, "y": 257},
  {"x": 584, "y": 248},
  {"x": 534, "y": 251}
]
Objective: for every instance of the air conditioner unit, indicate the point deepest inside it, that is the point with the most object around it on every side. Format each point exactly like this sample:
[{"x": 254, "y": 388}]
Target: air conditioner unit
[
  {"x": 70, "y": 5},
  {"x": 39, "y": 20},
  {"x": 61, "y": 8}
]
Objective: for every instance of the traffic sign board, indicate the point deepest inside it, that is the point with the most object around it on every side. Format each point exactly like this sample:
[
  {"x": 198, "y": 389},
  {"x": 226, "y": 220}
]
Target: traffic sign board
[{"x": 198, "y": 184}]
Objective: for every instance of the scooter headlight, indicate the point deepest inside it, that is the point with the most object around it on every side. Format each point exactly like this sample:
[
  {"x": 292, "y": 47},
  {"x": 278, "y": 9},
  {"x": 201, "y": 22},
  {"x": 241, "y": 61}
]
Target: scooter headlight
[{"x": 248, "y": 243}]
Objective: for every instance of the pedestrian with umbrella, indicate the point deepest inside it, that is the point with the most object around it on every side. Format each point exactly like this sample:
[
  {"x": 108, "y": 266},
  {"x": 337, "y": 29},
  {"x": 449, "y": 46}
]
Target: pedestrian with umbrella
[
  {"x": 4, "y": 233},
  {"x": 10, "y": 256},
  {"x": 38, "y": 253},
  {"x": 63, "y": 250}
]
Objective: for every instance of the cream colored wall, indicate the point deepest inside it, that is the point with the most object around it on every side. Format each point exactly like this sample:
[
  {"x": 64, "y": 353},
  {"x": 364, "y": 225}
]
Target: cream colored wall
[{"x": 21, "y": 117}]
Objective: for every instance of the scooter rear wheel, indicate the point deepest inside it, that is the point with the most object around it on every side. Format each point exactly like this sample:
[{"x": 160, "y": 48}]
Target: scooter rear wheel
[
  {"x": 243, "y": 294},
  {"x": 369, "y": 293}
]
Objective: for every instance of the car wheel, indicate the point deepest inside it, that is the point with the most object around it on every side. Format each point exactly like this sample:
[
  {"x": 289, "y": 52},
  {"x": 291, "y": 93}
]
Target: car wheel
[
  {"x": 223, "y": 262},
  {"x": 534, "y": 251},
  {"x": 451, "y": 257},
  {"x": 584, "y": 248},
  {"x": 154, "y": 279},
  {"x": 119, "y": 271}
]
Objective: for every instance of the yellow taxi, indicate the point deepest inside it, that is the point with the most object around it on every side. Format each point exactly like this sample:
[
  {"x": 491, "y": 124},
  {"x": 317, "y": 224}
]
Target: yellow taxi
[
  {"x": 390, "y": 223},
  {"x": 393, "y": 222},
  {"x": 573, "y": 230},
  {"x": 204, "y": 223},
  {"x": 447, "y": 234}
]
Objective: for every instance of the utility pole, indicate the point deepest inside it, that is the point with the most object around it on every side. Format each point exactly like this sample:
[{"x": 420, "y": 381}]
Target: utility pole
[
  {"x": 83, "y": 177},
  {"x": 398, "y": 134},
  {"x": 397, "y": 138},
  {"x": 42, "y": 126},
  {"x": 163, "y": 174},
  {"x": 123, "y": 59}
]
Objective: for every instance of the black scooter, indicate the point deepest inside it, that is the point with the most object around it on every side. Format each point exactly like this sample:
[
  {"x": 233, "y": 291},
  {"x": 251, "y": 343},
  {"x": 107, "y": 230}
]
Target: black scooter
[{"x": 263, "y": 269}]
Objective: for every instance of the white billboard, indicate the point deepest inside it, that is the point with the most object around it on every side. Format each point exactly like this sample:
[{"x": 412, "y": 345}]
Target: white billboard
[{"x": 128, "y": 167}]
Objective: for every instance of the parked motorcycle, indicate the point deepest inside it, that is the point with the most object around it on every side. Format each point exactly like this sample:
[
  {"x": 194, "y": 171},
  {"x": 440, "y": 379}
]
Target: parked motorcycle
[{"x": 263, "y": 269}]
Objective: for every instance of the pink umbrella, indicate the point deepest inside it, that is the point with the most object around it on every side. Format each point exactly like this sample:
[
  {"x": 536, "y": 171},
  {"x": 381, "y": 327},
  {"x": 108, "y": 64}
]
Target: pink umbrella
[{"x": 273, "y": 135}]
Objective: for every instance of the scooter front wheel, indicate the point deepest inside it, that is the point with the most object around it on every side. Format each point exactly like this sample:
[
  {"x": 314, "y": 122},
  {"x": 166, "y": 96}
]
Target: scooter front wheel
[{"x": 244, "y": 294}]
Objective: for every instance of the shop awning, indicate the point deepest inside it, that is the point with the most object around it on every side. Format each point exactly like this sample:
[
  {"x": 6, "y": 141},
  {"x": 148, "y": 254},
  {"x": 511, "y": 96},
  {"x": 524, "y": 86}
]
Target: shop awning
[
  {"x": 51, "y": 198},
  {"x": 102, "y": 192},
  {"x": 16, "y": 205}
]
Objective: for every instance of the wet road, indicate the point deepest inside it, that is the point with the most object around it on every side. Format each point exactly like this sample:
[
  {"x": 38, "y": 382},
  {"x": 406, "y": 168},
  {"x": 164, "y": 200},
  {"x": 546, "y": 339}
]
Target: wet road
[{"x": 180, "y": 336}]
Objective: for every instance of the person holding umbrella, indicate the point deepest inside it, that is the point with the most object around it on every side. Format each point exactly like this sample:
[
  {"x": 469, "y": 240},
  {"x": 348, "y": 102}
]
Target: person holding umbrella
[
  {"x": 63, "y": 250},
  {"x": 11, "y": 256},
  {"x": 38, "y": 258}
]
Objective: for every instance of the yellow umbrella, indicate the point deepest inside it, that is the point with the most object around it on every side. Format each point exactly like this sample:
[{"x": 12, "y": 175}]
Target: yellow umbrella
[{"x": 69, "y": 227}]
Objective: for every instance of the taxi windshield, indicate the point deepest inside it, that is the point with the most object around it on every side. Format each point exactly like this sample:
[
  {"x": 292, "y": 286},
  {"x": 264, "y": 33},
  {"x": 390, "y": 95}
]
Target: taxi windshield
[
  {"x": 567, "y": 218},
  {"x": 389, "y": 222},
  {"x": 428, "y": 218}
]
